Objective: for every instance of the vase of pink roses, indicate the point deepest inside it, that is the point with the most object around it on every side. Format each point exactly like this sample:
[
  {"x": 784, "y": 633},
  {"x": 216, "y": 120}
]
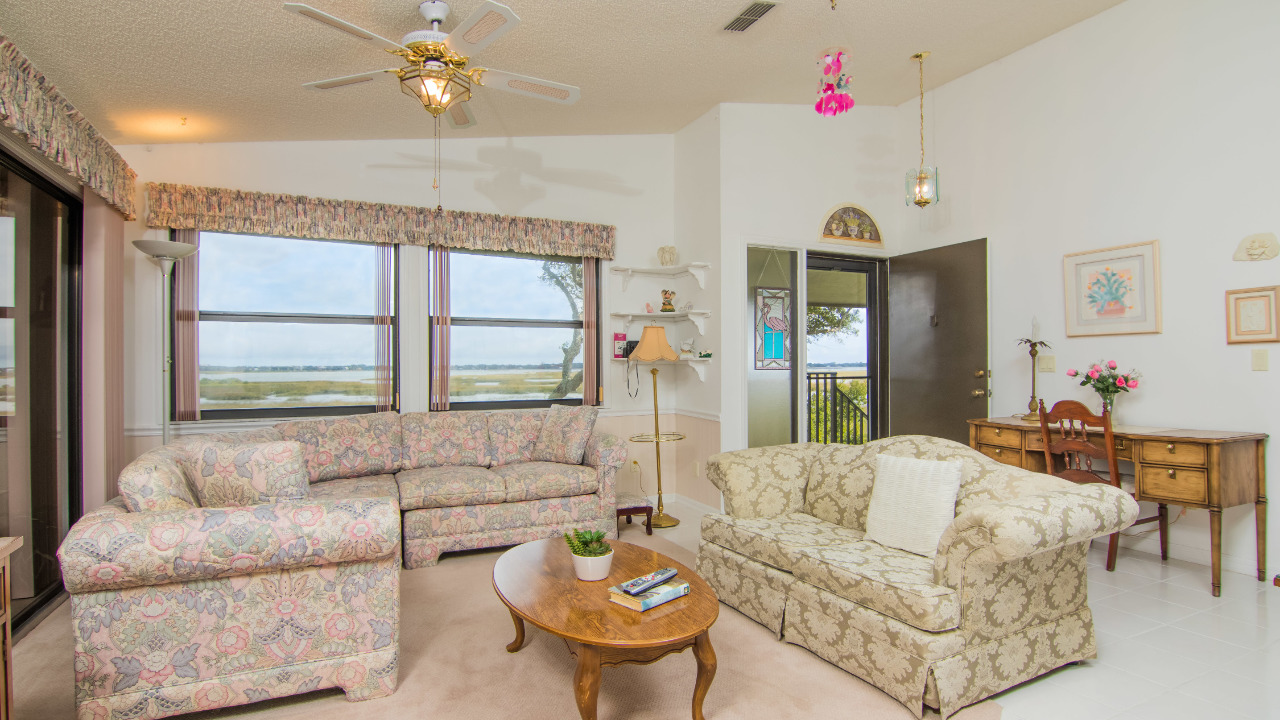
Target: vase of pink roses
[{"x": 1107, "y": 381}]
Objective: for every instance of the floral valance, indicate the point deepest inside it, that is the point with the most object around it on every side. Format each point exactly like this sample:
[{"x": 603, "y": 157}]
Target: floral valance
[
  {"x": 203, "y": 208},
  {"x": 31, "y": 106}
]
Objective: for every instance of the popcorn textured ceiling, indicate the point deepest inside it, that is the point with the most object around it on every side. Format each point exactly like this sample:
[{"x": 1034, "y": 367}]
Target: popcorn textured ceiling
[{"x": 234, "y": 70}]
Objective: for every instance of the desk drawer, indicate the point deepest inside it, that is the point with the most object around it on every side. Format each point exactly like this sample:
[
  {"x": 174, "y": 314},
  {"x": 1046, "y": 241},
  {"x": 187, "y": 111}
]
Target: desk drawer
[
  {"x": 1173, "y": 484},
  {"x": 1004, "y": 437},
  {"x": 1008, "y": 456},
  {"x": 1174, "y": 453}
]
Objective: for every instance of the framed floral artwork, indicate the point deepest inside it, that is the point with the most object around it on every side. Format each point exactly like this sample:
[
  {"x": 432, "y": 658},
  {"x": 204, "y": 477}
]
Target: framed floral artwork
[
  {"x": 1251, "y": 315},
  {"x": 1113, "y": 291},
  {"x": 850, "y": 225}
]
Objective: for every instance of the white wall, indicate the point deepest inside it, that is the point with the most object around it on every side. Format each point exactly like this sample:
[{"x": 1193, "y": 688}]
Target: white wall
[
  {"x": 1153, "y": 120},
  {"x": 782, "y": 168}
]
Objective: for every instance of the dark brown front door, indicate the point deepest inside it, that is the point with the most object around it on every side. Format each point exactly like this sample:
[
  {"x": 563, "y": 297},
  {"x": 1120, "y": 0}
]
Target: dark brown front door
[{"x": 938, "y": 340}]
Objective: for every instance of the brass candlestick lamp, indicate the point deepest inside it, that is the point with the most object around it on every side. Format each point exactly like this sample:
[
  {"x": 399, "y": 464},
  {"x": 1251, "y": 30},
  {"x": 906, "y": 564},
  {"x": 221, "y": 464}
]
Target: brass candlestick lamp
[{"x": 1033, "y": 407}]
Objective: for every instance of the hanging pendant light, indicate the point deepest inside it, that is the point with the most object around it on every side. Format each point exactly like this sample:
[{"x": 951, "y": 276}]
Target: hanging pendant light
[{"x": 922, "y": 182}]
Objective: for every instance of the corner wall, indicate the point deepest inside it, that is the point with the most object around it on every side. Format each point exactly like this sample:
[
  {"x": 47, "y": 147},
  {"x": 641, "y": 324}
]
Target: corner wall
[{"x": 1152, "y": 120}]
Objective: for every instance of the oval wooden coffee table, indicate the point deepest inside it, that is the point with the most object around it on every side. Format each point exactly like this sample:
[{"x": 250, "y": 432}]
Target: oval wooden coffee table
[{"x": 536, "y": 583}]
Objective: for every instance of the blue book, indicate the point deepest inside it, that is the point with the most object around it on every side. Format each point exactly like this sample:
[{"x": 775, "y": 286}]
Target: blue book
[{"x": 650, "y": 598}]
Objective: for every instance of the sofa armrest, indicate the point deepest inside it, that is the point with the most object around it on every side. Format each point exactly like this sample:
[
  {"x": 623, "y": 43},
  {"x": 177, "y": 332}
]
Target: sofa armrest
[
  {"x": 111, "y": 548},
  {"x": 1000, "y": 532},
  {"x": 606, "y": 453},
  {"x": 763, "y": 482}
]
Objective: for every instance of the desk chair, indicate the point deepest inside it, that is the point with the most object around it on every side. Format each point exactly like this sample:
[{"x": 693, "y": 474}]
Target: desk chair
[{"x": 1071, "y": 453}]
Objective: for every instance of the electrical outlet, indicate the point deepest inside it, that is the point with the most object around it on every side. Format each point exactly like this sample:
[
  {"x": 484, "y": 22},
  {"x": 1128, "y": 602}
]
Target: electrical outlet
[
  {"x": 1047, "y": 363},
  {"x": 1259, "y": 359}
]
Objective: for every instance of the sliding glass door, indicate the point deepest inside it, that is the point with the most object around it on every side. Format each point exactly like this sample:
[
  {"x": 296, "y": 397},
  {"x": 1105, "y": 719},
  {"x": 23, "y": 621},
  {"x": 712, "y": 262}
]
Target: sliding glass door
[{"x": 39, "y": 478}]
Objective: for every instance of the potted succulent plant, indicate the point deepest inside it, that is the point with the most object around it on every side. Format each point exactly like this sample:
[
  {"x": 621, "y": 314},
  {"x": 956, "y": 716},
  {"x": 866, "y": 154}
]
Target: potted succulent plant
[{"x": 592, "y": 556}]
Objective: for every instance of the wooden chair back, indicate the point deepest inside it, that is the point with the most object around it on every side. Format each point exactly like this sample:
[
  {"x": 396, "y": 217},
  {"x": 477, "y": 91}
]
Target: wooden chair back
[{"x": 1075, "y": 441}]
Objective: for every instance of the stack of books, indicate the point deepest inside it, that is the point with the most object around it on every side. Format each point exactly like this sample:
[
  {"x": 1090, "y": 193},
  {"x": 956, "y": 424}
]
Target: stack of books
[{"x": 650, "y": 598}]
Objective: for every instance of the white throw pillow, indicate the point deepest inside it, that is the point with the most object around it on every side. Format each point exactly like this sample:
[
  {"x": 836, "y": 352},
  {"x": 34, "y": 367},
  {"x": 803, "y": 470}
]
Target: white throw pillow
[{"x": 912, "y": 503}]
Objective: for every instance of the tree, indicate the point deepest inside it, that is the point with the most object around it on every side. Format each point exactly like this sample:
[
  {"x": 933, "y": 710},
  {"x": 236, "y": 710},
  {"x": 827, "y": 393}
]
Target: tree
[
  {"x": 826, "y": 321},
  {"x": 567, "y": 277}
]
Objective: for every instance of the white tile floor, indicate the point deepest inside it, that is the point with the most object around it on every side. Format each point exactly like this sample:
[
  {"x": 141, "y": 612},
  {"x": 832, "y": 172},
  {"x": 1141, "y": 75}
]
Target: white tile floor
[{"x": 1167, "y": 649}]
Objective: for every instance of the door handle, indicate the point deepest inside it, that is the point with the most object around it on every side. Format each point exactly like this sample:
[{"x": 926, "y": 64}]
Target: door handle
[
  {"x": 980, "y": 393},
  {"x": 980, "y": 373}
]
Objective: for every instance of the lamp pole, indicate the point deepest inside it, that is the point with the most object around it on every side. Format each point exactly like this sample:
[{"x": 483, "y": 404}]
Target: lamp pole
[{"x": 167, "y": 253}]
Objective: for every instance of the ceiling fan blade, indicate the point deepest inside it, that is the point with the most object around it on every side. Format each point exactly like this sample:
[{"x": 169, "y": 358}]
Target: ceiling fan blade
[
  {"x": 460, "y": 116},
  {"x": 340, "y": 24},
  {"x": 529, "y": 86},
  {"x": 337, "y": 82},
  {"x": 489, "y": 22}
]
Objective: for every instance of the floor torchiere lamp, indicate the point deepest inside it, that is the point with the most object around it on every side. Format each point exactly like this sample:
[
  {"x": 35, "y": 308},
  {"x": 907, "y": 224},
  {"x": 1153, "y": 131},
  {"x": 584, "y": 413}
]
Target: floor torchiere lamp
[
  {"x": 167, "y": 253},
  {"x": 653, "y": 346}
]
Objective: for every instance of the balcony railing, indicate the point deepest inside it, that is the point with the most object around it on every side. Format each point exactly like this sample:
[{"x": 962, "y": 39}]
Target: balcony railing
[{"x": 834, "y": 416}]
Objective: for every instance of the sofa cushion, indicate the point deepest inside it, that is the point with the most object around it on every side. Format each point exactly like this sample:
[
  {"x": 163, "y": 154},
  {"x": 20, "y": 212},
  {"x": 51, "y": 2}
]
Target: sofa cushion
[
  {"x": 348, "y": 447},
  {"x": 564, "y": 435},
  {"x": 840, "y": 482},
  {"x": 155, "y": 481},
  {"x": 434, "y": 439},
  {"x": 537, "y": 480},
  {"x": 449, "y": 486},
  {"x": 563, "y": 512},
  {"x": 889, "y": 581},
  {"x": 238, "y": 474},
  {"x": 513, "y": 433},
  {"x": 912, "y": 503},
  {"x": 774, "y": 541},
  {"x": 372, "y": 487}
]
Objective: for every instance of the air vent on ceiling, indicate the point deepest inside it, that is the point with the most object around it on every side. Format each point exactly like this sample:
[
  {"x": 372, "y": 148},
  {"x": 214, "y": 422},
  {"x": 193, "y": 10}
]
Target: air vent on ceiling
[{"x": 749, "y": 16}]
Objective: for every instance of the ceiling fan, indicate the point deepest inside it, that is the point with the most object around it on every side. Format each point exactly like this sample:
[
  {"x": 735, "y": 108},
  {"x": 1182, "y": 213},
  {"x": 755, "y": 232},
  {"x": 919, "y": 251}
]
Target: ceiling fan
[{"x": 435, "y": 63}]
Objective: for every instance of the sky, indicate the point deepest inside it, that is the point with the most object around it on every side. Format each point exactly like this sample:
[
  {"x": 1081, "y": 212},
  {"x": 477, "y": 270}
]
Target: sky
[{"x": 844, "y": 349}]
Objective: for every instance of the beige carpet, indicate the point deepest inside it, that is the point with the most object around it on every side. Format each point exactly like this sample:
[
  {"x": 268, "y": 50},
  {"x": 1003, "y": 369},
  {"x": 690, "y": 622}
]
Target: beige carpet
[{"x": 454, "y": 665}]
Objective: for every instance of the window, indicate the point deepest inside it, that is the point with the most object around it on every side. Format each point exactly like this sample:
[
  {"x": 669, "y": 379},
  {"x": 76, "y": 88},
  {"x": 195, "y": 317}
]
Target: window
[
  {"x": 287, "y": 327},
  {"x": 517, "y": 329}
]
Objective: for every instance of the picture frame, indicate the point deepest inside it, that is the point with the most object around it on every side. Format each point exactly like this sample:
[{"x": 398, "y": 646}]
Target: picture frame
[
  {"x": 773, "y": 328},
  {"x": 1113, "y": 291},
  {"x": 848, "y": 224},
  {"x": 1251, "y": 315}
]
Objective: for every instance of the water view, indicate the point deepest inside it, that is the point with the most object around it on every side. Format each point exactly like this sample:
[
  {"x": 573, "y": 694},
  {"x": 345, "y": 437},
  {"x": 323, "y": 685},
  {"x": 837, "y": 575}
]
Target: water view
[{"x": 228, "y": 388}]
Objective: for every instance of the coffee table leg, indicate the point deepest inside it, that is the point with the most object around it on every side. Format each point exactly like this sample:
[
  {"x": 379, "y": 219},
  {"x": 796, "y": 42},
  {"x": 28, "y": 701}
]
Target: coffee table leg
[
  {"x": 519, "y": 641},
  {"x": 706, "y": 657},
  {"x": 586, "y": 681}
]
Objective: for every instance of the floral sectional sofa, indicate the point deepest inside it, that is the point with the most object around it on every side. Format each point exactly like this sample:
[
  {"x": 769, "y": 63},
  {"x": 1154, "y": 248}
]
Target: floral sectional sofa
[
  {"x": 239, "y": 567},
  {"x": 1001, "y": 602}
]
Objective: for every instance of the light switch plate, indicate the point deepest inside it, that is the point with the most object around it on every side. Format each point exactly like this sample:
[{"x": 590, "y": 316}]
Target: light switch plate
[
  {"x": 1259, "y": 359},
  {"x": 1047, "y": 363}
]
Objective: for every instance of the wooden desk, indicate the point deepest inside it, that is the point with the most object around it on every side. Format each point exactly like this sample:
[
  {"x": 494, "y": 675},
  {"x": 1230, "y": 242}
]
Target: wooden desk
[
  {"x": 7, "y": 546},
  {"x": 1208, "y": 469}
]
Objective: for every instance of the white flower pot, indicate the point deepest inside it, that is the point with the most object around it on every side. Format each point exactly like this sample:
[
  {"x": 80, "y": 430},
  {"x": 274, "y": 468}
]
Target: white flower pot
[{"x": 591, "y": 569}]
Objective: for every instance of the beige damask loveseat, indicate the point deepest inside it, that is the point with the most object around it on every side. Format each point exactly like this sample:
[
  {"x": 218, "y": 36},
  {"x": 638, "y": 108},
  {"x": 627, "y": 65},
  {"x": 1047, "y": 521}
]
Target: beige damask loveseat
[{"x": 1003, "y": 601}]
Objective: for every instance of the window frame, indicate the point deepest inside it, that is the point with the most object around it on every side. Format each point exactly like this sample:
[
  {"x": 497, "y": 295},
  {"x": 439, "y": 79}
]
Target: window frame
[
  {"x": 276, "y": 413},
  {"x": 463, "y": 321}
]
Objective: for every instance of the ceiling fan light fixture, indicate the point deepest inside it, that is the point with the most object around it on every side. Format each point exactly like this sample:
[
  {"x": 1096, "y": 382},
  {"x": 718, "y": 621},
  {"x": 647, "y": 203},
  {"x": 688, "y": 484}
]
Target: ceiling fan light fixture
[{"x": 435, "y": 85}]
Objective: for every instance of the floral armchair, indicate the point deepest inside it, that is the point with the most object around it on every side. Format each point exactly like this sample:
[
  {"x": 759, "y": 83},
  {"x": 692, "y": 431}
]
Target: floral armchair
[{"x": 192, "y": 609}]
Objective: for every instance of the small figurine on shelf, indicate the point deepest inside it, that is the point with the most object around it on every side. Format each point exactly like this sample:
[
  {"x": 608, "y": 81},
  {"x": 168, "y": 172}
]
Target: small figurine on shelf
[
  {"x": 667, "y": 255},
  {"x": 667, "y": 297},
  {"x": 704, "y": 354},
  {"x": 686, "y": 307},
  {"x": 686, "y": 349},
  {"x": 648, "y": 307}
]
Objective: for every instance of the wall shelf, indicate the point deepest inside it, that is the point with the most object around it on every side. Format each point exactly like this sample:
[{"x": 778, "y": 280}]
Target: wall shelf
[
  {"x": 697, "y": 269},
  {"x": 697, "y": 317},
  {"x": 699, "y": 365}
]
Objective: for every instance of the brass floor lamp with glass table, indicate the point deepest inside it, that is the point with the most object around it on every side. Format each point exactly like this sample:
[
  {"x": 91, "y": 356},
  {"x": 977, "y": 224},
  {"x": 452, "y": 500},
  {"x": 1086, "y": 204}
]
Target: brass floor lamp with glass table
[{"x": 653, "y": 347}]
